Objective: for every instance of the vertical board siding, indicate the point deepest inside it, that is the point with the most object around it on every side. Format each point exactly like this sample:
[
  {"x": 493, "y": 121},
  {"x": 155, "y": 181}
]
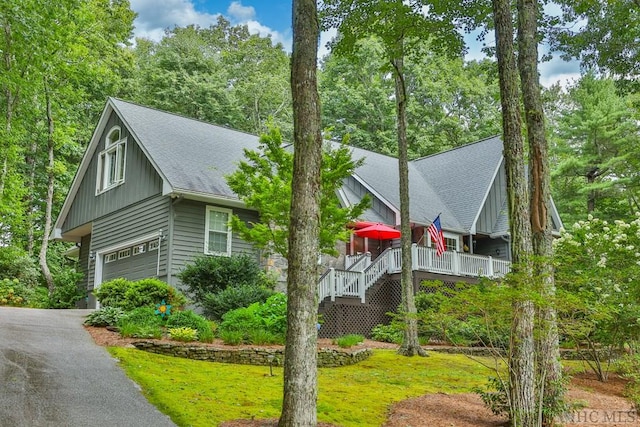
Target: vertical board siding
[
  {"x": 141, "y": 181},
  {"x": 376, "y": 205},
  {"x": 140, "y": 219},
  {"x": 188, "y": 233},
  {"x": 492, "y": 208}
]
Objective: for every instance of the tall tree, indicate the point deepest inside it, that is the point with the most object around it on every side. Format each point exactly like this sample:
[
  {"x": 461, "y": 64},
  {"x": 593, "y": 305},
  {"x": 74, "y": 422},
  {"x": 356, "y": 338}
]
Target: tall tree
[
  {"x": 451, "y": 102},
  {"x": 596, "y": 147},
  {"x": 399, "y": 26},
  {"x": 221, "y": 74},
  {"x": 300, "y": 363},
  {"x": 521, "y": 387},
  {"x": 263, "y": 182},
  {"x": 603, "y": 35},
  {"x": 549, "y": 370}
]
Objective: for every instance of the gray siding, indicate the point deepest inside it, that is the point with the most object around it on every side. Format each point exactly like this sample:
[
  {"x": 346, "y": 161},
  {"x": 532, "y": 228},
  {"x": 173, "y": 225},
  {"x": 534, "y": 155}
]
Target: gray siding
[
  {"x": 494, "y": 203},
  {"x": 381, "y": 210},
  {"x": 141, "y": 181},
  {"x": 188, "y": 233},
  {"x": 136, "y": 221}
]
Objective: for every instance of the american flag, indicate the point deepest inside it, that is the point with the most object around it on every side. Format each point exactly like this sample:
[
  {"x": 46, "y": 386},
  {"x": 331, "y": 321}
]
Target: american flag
[{"x": 435, "y": 231}]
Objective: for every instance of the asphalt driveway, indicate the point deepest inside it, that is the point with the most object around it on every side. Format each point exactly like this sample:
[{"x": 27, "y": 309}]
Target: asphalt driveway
[{"x": 53, "y": 374}]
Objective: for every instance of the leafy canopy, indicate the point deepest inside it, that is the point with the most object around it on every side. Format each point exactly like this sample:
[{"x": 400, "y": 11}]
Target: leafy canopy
[{"x": 263, "y": 182}]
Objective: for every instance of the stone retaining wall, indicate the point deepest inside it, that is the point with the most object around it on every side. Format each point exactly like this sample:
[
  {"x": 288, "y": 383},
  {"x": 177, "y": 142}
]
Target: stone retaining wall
[{"x": 327, "y": 358}]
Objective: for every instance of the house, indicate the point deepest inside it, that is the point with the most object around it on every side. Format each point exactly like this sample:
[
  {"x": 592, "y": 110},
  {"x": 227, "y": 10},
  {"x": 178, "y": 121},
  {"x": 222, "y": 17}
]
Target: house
[{"x": 150, "y": 195}]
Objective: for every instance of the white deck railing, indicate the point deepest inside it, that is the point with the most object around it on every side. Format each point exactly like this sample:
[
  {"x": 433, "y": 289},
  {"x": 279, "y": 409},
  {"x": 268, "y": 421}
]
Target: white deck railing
[{"x": 362, "y": 273}]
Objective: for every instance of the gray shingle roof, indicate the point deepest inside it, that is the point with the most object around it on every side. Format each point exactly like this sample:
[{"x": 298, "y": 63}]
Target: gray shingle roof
[
  {"x": 191, "y": 155},
  {"x": 462, "y": 176},
  {"x": 194, "y": 156}
]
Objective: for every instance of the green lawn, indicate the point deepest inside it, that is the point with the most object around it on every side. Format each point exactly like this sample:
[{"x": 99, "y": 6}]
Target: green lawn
[{"x": 197, "y": 393}]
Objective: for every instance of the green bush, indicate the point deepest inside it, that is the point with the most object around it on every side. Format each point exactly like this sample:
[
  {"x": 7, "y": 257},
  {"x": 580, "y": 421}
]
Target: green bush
[
  {"x": 387, "y": 333},
  {"x": 183, "y": 334},
  {"x": 151, "y": 291},
  {"x": 216, "y": 305},
  {"x": 146, "y": 292},
  {"x": 242, "y": 320},
  {"x": 141, "y": 322},
  {"x": 66, "y": 292},
  {"x": 17, "y": 264},
  {"x": 106, "y": 316},
  {"x": 190, "y": 319},
  {"x": 212, "y": 274},
  {"x": 232, "y": 337},
  {"x": 264, "y": 337},
  {"x": 348, "y": 340},
  {"x": 14, "y": 293},
  {"x": 112, "y": 293},
  {"x": 273, "y": 313},
  {"x": 270, "y": 316}
]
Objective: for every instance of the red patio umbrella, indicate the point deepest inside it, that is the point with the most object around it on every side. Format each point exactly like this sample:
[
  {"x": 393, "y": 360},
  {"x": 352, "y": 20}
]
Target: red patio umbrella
[{"x": 379, "y": 232}]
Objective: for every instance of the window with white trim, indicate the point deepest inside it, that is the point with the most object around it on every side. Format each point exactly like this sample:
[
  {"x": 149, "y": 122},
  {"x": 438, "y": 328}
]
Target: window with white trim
[
  {"x": 125, "y": 253},
  {"x": 111, "y": 161},
  {"x": 217, "y": 237},
  {"x": 139, "y": 249},
  {"x": 110, "y": 257},
  {"x": 450, "y": 240},
  {"x": 153, "y": 245}
]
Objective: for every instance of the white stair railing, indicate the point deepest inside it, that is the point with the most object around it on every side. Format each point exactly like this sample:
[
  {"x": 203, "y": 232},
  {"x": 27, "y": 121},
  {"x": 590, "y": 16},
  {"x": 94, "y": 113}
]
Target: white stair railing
[{"x": 356, "y": 280}]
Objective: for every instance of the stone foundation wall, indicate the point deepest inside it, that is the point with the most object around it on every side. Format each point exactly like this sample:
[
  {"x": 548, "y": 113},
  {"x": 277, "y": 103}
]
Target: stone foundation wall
[{"x": 327, "y": 358}]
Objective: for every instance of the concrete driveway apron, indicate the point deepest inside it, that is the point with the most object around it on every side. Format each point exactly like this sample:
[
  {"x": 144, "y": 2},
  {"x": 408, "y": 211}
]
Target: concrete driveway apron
[{"x": 53, "y": 374}]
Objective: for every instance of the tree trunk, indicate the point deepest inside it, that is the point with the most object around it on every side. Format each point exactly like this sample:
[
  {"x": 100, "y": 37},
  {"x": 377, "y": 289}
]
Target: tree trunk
[
  {"x": 30, "y": 160},
  {"x": 49, "y": 201},
  {"x": 410, "y": 344},
  {"x": 549, "y": 369},
  {"x": 521, "y": 390},
  {"x": 300, "y": 366}
]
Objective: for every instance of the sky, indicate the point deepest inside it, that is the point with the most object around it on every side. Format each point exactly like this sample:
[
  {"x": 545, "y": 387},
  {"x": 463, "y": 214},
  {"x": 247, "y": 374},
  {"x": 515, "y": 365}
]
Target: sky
[{"x": 273, "y": 17}]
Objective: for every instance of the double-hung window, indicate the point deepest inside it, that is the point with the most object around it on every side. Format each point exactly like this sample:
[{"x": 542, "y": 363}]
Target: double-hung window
[
  {"x": 217, "y": 238},
  {"x": 111, "y": 161}
]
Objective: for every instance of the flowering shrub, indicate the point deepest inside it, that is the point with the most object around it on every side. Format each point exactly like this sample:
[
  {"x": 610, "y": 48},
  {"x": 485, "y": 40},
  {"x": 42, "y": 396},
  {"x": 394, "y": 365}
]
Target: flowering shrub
[
  {"x": 184, "y": 334},
  {"x": 598, "y": 277}
]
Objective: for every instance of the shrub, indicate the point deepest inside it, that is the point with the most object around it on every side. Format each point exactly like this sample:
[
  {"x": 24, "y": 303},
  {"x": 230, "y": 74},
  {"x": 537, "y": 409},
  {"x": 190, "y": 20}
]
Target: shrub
[
  {"x": 183, "y": 334},
  {"x": 112, "y": 293},
  {"x": 270, "y": 316},
  {"x": 14, "y": 293},
  {"x": 212, "y": 274},
  {"x": 232, "y": 337},
  {"x": 216, "y": 305},
  {"x": 17, "y": 264},
  {"x": 141, "y": 322},
  {"x": 106, "y": 316},
  {"x": 264, "y": 337},
  {"x": 273, "y": 313},
  {"x": 146, "y": 292},
  {"x": 66, "y": 292},
  {"x": 242, "y": 320},
  {"x": 189, "y": 319},
  {"x": 151, "y": 291},
  {"x": 349, "y": 340},
  {"x": 387, "y": 333}
]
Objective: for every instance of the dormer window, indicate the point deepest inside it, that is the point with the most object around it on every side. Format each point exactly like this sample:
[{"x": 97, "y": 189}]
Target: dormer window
[{"x": 111, "y": 161}]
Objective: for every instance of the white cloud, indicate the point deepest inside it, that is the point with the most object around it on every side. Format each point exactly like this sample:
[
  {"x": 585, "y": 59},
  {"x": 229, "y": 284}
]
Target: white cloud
[
  {"x": 156, "y": 16},
  {"x": 325, "y": 37},
  {"x": 241, "y": 13}
]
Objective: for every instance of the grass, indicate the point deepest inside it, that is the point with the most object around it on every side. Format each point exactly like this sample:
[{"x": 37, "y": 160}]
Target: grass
[{"x": 197, "y": 393}]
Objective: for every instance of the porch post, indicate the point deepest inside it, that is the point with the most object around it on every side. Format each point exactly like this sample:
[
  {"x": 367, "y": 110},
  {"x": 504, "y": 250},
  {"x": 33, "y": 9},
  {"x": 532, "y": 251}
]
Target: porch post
[
  {"x": 362, "y": 288},
  {"x": 414, "y": 256},
  {"x": 490, "y": 272},
  {"x": 332, "y": 283},
  {"x": 455, "y": 262}
]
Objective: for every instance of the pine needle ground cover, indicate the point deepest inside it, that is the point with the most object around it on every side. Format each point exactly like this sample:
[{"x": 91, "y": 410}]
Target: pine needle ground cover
[{"x": 197, "y": 393}]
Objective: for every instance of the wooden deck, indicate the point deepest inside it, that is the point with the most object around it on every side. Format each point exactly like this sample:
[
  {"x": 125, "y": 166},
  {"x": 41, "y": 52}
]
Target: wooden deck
[{"x": 361, "y": 273}]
